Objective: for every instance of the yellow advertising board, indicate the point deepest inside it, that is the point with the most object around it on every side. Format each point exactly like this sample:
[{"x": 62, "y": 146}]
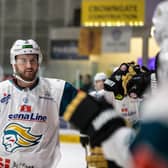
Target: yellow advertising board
[{"x": 113, "y": 13}]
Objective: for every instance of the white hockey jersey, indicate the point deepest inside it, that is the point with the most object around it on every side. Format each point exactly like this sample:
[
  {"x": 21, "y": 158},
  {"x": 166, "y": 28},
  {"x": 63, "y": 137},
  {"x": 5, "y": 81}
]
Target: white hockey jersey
[
  {"x": 29, "y": 123},
  {"x": 129, "y": 109}
]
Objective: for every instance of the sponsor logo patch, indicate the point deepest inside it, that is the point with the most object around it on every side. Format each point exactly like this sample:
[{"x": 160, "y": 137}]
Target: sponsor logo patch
[
  {"x": 6, "y": 98},
  {"x": 28, "y": 117},
  {"x": 4, "y": 163},
  {"x": 25, "y": 108},
  {"x": 7, "y": 163},
  {"x": 46, "y": 96}
]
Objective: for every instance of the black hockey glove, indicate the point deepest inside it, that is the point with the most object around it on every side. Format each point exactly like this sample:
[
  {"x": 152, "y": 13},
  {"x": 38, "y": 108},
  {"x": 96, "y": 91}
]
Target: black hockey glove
[
  {"x": 114, "y": 83},
  {"x": 139, "y": 83},
  {"x": 97, "y": 119}
]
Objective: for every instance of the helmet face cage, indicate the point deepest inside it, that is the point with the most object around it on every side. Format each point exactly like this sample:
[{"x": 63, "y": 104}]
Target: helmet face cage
[{"x": 21, "y": 47}]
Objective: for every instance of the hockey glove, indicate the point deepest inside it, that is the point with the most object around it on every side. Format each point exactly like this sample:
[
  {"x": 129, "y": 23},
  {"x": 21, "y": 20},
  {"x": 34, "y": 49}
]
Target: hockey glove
[
  {"x": 97, "y": 119},
  {"x": 114, "y": 83},
  {"x": 138, "y": 84}
]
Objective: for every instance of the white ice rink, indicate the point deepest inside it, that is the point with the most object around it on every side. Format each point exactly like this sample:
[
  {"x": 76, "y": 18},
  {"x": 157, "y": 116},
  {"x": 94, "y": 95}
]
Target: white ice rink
[{"x": 73, "y": 154}]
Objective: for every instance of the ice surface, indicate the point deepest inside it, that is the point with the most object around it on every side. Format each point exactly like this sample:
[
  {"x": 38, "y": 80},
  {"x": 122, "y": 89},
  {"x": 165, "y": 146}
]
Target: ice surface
[{"x": 73, "y": 154}]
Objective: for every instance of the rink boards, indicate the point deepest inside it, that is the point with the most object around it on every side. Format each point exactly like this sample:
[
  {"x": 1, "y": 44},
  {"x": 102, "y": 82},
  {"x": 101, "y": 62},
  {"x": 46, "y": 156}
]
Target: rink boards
[{"x": 73, "y": 154}]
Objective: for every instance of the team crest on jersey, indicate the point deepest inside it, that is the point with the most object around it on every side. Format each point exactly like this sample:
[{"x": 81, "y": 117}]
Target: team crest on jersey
[
  {"x": 17, "y": 136},
  {"x": 5, "y": 98}
]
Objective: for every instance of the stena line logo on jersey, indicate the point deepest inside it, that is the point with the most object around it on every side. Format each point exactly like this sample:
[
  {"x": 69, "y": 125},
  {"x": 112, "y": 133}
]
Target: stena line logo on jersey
[{"x": 36, "y": 117}]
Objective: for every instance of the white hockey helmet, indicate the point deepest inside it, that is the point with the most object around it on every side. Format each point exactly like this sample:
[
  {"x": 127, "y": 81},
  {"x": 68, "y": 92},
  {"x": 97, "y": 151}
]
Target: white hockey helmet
[
  {"x": 160, "y": 22},
  {"x": 25, "y": 47},
  {"x": 100, "y": 76}
]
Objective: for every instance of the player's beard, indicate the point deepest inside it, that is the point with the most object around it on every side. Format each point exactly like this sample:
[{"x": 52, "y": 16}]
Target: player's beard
[{"x": 28, "y": 75}]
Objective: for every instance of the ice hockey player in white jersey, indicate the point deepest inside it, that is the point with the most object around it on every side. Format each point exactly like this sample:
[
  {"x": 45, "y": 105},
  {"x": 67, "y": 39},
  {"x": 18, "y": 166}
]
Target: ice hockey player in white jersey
[{"x": 30, "y": 109}]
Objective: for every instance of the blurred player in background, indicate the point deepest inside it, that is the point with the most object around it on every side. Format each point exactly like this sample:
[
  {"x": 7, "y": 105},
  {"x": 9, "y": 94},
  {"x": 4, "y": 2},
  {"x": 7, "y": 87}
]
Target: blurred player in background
[
  {"x": 149, "y": 148},
  {"x": 125, "y": 90},
  {"x": 99, "y": 79}
]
